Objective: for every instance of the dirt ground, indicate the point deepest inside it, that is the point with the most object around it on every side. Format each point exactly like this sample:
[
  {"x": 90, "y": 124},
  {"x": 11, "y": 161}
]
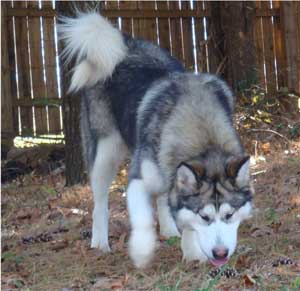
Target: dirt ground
[
  {"x": 46, "y": 230},
  {"x": 46, "y": 227}
]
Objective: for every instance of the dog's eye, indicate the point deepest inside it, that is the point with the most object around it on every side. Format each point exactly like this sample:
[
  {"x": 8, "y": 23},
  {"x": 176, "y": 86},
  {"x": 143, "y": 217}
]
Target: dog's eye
[
  {"x": 228, "y": 216},
  {"x": 205, "y": 217}
]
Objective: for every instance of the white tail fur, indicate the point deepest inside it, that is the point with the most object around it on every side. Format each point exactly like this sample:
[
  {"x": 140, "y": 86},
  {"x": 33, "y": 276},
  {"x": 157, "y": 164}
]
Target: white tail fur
[{"x": 96, "y": 44}]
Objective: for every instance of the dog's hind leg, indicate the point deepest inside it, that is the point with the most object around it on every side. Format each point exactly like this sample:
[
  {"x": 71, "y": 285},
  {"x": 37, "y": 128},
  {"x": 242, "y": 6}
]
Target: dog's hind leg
[
  {"x": 110, "y": 153},
  {"x": 167, "y": 224}
]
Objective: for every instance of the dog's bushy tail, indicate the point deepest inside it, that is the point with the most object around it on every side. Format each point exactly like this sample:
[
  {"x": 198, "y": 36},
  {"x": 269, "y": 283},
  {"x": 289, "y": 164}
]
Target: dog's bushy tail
[{"x": 97, "y": 46}]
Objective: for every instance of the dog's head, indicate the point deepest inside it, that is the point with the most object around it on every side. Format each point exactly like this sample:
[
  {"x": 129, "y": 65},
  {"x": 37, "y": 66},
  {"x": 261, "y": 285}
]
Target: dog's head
[{"x": 212, "y": 195}]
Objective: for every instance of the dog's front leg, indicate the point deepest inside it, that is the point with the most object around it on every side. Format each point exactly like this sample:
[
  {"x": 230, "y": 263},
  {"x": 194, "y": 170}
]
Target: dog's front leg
[
  {"x": 167, "y": 224},
  {"x": 190, "y": 247},
  {"x": 143, "y": 237}
]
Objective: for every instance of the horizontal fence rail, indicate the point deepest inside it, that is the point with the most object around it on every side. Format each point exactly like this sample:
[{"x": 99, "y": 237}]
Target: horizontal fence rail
[{"x": 181, "y": 27}]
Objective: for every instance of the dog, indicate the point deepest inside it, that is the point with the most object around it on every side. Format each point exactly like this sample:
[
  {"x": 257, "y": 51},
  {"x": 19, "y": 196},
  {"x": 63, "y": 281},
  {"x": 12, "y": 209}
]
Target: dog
[{"x": 177, "y": 128}]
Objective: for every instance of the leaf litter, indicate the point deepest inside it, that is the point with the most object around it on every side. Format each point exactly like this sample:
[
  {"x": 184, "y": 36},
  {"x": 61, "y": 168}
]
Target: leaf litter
[{"x": 46, "y": 239}]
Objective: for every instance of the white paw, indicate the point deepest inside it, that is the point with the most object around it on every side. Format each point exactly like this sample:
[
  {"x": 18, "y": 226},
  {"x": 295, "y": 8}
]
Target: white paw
[
  {"x": 168, "y": 232},
  {"x": 100, "y": 242},
  {"x": 142, "y": 246},
  {"x": 190, "y": 247}
]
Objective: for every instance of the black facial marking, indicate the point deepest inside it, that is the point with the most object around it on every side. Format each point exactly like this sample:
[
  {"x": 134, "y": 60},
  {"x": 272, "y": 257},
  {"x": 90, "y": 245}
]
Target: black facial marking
[{"x": 196, "y": 201}]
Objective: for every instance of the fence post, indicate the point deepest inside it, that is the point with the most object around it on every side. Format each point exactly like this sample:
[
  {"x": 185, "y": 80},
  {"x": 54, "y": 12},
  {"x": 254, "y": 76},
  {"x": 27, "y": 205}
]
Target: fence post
[
  {"x": 238, "y": 23},
  {"x": 231, "y": 30},
  {"x": 7, "y": 117},
  {"x": 289, "y": 12}
]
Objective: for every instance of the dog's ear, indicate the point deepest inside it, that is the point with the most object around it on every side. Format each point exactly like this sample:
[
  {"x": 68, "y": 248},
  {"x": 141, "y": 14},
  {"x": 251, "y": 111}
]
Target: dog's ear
[
  {"x": 186, "y": 179},
  {"x": 238, "y": 168}
]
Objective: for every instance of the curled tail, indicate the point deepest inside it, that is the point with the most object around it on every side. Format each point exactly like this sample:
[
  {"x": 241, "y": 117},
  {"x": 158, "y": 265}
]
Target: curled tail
[{"x": 97, "y": 46}]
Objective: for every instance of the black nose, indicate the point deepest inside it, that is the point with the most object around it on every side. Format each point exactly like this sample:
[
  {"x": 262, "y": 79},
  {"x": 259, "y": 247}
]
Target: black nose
[{"x": 220, "y": 253}]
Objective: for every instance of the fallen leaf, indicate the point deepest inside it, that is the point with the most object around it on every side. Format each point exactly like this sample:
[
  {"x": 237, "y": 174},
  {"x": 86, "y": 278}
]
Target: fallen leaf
[
  {"x": 244, "y": 261},
  {"x": 101, "y": 283},
  {"x": 262, "y": 231},
  {"x": 54, "y": 214},
  {"x": 294, "y": 200},
  {"x": 119, "y": 246},
  {"x": 24, "y": 214},
  {"x": 248, "y": 280},
  {"x": 117, "y": 284},
  {"x": 58, "y": 245},
  {"x": 266, "y": 148},
  {"x": 126, "y": 278}
]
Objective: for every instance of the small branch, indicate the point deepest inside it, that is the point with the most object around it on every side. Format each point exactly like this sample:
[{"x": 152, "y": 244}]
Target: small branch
[
  {"x": 270, "y": 131},
  {"x": 259, "y": 172}
]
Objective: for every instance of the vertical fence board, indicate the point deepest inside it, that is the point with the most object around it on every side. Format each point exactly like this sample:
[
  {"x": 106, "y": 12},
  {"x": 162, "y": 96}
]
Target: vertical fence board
[
  {"x": 127, "y": 22},
  {"x": 176, "y": 33},
  {"x": 278, "y": 40},
  {"x": 201, "y": 43},
  {"x": 163, "y": 27},
  {"x": 279, "y": 48},
  {"x": 258, "y": 37},
  {"x": 12, "y": 68},
  {"x": 50, "y": 67},
  {"x": 7, "y": 117},
  {"x": 112, "y": 5},
  {"x": 215, "y": 37},
  {"x": 147, "y": 27},
  {"x": 290, "y": 31},
  {"x": 39, "y": 88},
  {"x": 269, "y": 51},
  {"x": 188, "y": 46},
  {"x": 23, "y": 65},
  {"x": 297, "y": 24}
]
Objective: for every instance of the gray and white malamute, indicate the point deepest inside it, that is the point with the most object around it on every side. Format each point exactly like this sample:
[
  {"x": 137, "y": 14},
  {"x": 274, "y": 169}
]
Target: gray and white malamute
[{"x": 177, "y": 128}]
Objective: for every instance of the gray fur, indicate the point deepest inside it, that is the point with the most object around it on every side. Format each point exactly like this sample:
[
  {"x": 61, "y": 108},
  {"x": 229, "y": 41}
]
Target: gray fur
[
  {"x": 178, "y": 130},
  {"x": 167, "y": 119}
]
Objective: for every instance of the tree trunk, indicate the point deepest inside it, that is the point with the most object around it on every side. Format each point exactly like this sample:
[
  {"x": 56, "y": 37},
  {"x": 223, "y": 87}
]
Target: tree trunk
[
  {"x": 71, "y": 113},
  {"x": 8, "y": 131}
]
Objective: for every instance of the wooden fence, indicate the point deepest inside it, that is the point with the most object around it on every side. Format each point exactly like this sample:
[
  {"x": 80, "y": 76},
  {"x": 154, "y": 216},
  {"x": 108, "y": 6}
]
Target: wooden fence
[{"x": 31, "y": 94}]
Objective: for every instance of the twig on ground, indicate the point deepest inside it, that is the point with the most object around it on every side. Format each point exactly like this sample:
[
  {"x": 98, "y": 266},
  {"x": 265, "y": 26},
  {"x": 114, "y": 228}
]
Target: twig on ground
[{"x": 270, "y": 131}]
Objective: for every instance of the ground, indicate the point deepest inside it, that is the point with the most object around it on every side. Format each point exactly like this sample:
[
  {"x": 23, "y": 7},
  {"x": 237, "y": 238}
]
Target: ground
[{"x": 46, "y": 230}]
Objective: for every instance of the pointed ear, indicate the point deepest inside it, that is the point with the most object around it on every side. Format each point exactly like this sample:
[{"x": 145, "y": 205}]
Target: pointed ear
[
  {"x": 238, "y": 168},
  {"x": 186, "y": 180}
]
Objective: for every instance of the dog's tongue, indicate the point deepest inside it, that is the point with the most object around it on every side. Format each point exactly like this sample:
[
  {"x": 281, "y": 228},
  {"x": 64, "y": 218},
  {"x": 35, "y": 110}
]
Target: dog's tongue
[{"x": 219, "y": 263}]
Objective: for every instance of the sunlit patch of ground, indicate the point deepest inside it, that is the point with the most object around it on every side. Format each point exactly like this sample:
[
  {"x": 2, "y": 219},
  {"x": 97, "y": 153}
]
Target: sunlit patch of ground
[{"x": 46, "y": 238}]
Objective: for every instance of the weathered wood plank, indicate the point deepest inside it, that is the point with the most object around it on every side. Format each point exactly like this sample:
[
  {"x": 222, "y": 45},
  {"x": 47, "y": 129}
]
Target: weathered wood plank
[
  {"x": 188, "y": 46},
  {"x": 215, "y": 41},
  {"x": 269, "y": 50},
  {"x": 113, "y": 6},
  {"x": 258, "y": 39},
  {"x": 176, "y": 32},
  {"x": 128, "y": 13},
  {"x": 297, "y": 23},
  {"x": 39, "y": 86},
  {"x": 39, "y": 102},
  {"x": 164, "y": 27},
  {"x": 23, "y": 65},
  {"x": 12, "y": 66},
  {"x": 113, "y": 13},
  {"x": 7, "y": 117},
  {"x": 279, "y": 48},
  {"x": 50, "y": 70},
  {"x": 147, "y": 27},
  {"x": 201, "y": 43},
  {"x": 127, "y": 23},
  {"x": 290, "y": 21}
]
